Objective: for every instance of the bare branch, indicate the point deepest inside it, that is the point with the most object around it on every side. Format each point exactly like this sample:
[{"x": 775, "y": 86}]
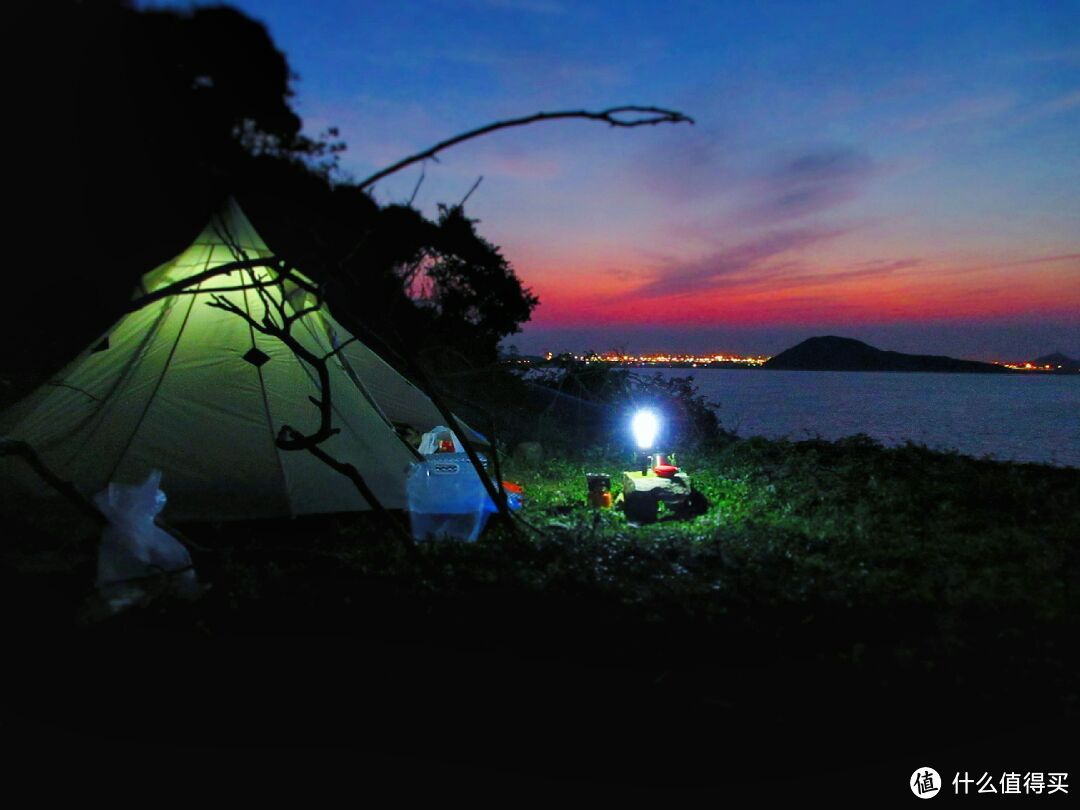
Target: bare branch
[
  {"x": 221, "y": 302},
  {"x": 494, "y": 490},
  {"x": 198, "y": 278},
  {"x": 288, "y": 437},
  {"x": 14, "y": 447},
  {"x": 280, "y": 305},
  {"x": 177, "y": 287},
  {"x": 420, "y": 182},
  {"x": 267, "y": 301},
  {"x": 300, "y": 313},
  {"x": 627, "y": 117},
  {"x": 237, "y": 288},
  {"x": 89, "y": 509},
  {"x": 469, "y": 193},
  {"x": 328, "y": 355}
]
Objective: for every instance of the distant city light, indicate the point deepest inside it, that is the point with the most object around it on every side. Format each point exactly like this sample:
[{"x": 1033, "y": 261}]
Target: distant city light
[
  {"x": 713, "y": 360},
  {"x": 1028, "y": 366},
  {"x": 665, "y": 359}
]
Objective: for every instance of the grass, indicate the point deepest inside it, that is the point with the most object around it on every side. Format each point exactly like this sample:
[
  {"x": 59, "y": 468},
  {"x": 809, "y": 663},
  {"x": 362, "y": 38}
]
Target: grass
[
  {"x": 828, "y": 584},
  {"x": 846, "y": 524}
]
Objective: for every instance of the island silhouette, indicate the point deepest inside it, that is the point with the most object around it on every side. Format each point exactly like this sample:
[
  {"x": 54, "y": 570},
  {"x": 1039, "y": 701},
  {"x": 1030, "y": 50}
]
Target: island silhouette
[
  {"x": 1057, "y": 361},
  {"x": 831, "y": 353}
]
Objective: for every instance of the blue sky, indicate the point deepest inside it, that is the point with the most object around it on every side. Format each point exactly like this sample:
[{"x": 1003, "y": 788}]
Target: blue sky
[{"x": 906, "y": 173}]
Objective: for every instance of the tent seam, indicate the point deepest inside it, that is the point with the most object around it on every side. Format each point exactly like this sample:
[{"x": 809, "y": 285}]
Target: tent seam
[
  {"x": 107, "y": 401},
  {"x": 270, "y": 418},
  {"x": 157, "y": 386}
]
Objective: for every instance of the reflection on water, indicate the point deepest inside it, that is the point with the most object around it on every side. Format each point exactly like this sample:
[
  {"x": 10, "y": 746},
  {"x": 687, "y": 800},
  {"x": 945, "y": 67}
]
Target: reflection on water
[{"x": 1022, "y": 418}]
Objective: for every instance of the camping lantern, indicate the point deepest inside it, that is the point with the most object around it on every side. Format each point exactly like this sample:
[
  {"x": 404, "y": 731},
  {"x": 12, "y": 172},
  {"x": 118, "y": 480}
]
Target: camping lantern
[
  {"x": 660, "y": 479},
  {"x": 645, "y": 426}
]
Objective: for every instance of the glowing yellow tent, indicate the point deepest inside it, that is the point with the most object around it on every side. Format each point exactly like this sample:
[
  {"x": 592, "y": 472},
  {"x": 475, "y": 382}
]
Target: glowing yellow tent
[{"x": 196, "y": 392}]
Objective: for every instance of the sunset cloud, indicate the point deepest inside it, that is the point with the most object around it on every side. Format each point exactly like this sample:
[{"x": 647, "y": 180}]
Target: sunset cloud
[
  {"x": 871, "y": 170},
  {"x": 749, "y": 263},
  {"x": 961, "y": 111},
  {"x": 809, "y": 183},
  {"x": 686, "y": 166}
]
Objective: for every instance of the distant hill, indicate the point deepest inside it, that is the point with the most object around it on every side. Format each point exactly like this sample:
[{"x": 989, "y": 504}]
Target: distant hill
[
  {"x": 1057, "y": 360},
  {"x": 844, "y": 354}
]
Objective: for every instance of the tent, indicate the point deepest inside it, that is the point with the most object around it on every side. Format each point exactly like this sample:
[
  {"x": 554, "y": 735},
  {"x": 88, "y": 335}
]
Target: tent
[{"x": 195, "y": 391}]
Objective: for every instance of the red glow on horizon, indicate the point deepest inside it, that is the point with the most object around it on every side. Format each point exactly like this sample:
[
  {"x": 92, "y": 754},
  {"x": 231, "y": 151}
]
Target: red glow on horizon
[{"x": 605, "y": 297}]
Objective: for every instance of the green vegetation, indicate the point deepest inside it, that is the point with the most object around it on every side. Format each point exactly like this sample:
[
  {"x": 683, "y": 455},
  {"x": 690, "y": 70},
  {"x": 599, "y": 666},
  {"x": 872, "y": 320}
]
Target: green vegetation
[
  {"x": 841, "y": 586},
  {"x": 799, "y": 532},
  {"x": 845, "y": 524}
]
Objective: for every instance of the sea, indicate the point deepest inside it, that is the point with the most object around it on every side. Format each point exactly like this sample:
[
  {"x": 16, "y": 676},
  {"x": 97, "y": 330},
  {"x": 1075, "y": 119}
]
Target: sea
[{"x": 1021, "y": 417}]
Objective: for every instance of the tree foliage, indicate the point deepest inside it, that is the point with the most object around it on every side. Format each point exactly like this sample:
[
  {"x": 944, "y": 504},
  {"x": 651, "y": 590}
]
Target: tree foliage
[
  {"x": 168, "y": 112},
  {"x": 472, "y": 286},
  {"x": 588, "y": 403}
]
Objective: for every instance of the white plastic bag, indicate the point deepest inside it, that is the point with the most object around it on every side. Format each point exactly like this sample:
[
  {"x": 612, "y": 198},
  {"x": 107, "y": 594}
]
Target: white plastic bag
[
  {"x": 136, "y": 556},
  {"x": 431, "y": 441},
  {"x": 432, "y": 445}
]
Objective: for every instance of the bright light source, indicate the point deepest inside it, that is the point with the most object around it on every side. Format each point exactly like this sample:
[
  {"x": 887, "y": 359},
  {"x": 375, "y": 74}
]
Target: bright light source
[{"x": 645, "y": 425}]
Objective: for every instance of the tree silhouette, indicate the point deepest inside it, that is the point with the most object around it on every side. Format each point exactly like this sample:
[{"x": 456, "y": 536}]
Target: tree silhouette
[
  {"x": 141, "y": 119},
  {"x": 168, "y": 112}
]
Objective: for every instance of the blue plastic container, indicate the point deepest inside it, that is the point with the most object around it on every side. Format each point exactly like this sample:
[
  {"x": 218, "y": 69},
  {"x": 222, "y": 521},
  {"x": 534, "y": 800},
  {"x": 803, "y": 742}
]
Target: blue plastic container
[{"x": 447, "y": 499}]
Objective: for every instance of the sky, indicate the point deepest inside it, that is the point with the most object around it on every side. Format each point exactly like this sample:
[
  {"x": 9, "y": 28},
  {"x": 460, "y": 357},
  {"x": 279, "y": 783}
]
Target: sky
[{"x": 905, "y": 173}]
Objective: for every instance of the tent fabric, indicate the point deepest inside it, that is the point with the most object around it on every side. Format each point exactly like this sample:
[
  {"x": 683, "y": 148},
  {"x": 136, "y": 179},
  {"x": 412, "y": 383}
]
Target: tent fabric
[{"x": 196, "y": 392}]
